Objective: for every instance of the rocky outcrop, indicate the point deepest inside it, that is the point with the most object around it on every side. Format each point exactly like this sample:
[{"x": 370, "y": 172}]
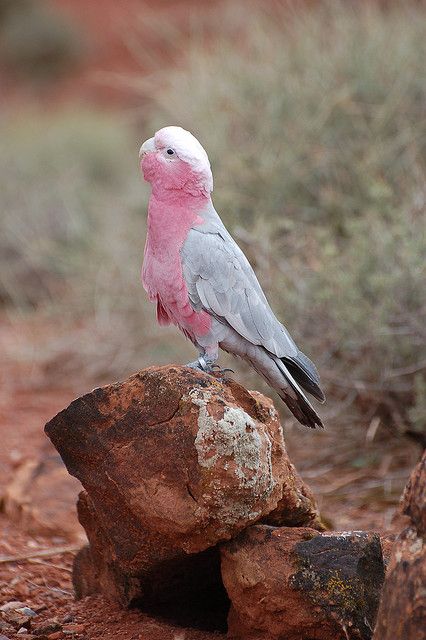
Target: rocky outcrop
[
  {"x": 298, "y": 583},
  {"x": 194, "y": 513},
  {"x": 173, "y": 461},
  {"x": 402, "y": 612}
]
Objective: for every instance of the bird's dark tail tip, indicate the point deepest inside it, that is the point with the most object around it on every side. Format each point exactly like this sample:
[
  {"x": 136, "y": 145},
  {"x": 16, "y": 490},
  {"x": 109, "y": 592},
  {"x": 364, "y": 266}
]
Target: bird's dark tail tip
[
  {"x": 296, "y": 400},
  {"x": 303, "y": 411}
]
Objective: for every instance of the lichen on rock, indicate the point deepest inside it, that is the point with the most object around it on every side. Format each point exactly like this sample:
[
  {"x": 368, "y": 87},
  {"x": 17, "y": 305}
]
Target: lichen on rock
[
  {"x": 297, "y": 583},
  {"x": 234, "y": 444},
  {"x": 234, "y": 436}
]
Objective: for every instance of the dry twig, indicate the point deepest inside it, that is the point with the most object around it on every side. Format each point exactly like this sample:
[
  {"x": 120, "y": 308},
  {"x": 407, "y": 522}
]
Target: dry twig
[{"x": 42, "y": 553}]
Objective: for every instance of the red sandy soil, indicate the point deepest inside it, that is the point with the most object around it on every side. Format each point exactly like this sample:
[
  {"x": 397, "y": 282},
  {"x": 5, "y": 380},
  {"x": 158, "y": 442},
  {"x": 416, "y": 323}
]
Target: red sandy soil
[{"x": 45, "y": 586}]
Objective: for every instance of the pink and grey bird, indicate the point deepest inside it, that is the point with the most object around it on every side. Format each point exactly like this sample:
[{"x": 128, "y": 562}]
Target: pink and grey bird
[{"x": 201, "y": 281}]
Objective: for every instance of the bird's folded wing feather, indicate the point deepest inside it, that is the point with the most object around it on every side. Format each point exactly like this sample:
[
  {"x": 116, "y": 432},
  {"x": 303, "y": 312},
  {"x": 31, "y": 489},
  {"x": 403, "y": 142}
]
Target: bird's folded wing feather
[{"x": 221, "y": 281}]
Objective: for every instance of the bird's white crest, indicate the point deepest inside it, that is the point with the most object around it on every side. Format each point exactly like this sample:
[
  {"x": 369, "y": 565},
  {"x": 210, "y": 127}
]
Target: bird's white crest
[{"x": 187, "y": 148}]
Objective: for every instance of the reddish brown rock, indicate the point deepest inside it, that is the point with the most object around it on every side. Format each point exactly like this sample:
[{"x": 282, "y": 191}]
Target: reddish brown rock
[
  {"x": 185, "y": 589},
  {"x": 173, "y": 461},
  {"x": 297, "y": 583},
  {"x": 170, "y": 450},
  {"x": 85, "y": 577},
  {"x": 402, "y": 612}
]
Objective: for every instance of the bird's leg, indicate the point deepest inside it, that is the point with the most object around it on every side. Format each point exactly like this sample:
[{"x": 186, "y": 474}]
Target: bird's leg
[
  {"x": 207, "y": 362},
  {"x": 206, "y": 359},
  {"x": 201, "y": 364}
]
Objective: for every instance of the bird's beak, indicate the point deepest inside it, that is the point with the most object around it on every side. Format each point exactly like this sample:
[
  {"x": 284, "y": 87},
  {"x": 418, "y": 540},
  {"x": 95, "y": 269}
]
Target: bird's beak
[{"x": 147, "y": 146}]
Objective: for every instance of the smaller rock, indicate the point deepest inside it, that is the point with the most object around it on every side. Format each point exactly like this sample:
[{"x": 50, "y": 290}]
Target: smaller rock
[
  {"x": 41, "y": 608},
  {"x": 55, "y": 636},
  {"x": 68, "y": 618},
  {"x": 48, "y": 626},
  {"x": 26, "y": 611},
  {"x": 13, "y": 604},
  {"x": 2, "y": 637},
  {"x": 77, "y": 629},
  {"x": 16, "y": 618},
  {"x": 23, "y": 632},
  {"x": 86, "y": 578},
  {"x": 296, "y": 583}
]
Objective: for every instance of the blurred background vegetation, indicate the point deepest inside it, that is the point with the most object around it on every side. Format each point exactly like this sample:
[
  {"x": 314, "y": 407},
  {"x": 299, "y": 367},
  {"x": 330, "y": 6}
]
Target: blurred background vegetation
[{"x": 315, "y": 122}]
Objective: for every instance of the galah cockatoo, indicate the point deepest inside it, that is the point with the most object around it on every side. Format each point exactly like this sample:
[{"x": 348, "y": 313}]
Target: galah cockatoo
[{"x": 201, "y": 281}]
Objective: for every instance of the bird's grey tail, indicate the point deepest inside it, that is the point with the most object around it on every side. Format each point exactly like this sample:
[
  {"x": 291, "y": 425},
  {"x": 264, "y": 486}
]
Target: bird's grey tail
[
  {"x": 305, "y": 373},
  {"x": 299, "y": 405}
]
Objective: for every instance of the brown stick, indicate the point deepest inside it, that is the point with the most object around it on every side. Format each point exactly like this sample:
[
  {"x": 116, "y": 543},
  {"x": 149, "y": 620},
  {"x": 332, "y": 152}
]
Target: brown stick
[{"x": 43, "y": 553}]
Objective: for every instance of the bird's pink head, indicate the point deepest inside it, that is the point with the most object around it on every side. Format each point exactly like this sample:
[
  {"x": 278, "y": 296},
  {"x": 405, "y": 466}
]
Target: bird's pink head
[{"x": 174, "y": 161}]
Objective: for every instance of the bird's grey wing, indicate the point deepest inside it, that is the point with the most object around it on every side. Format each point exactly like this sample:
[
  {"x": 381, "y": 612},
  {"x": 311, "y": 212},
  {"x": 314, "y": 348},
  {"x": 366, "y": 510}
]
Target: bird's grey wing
[{"x": 221, "y": 281}]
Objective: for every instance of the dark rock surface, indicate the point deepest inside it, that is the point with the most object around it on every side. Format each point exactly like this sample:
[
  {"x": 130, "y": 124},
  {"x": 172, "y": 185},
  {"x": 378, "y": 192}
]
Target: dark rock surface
[{"x": 297, "y": 583}]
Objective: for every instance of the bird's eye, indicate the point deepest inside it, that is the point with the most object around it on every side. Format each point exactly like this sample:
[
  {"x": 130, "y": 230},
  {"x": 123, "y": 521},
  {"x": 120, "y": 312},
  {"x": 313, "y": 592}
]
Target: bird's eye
[{"x": 170, "y": 152}]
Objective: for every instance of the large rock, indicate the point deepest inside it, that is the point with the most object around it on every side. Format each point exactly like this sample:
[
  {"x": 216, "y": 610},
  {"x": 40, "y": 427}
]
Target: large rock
[
  {"x": 402, "y": 612},
  {"x": 297, "y": 583},
  {"x": 173, "y": 461}
]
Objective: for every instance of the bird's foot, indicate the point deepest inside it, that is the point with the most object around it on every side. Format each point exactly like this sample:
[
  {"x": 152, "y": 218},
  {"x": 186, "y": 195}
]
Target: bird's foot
[
  {"x": 221, "y": 373},
  {"x": 202, "y": 364}
]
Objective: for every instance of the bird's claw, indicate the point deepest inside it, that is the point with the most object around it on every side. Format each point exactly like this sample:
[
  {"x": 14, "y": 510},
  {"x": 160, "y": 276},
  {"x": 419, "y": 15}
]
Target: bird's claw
[
  {"x": 220, "y": 370},
  {"x": 201, "y": 364}
]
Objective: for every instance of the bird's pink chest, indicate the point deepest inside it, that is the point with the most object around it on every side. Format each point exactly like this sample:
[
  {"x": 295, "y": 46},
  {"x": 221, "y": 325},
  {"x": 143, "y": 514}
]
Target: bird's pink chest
[{"x": 162, "y": 273}]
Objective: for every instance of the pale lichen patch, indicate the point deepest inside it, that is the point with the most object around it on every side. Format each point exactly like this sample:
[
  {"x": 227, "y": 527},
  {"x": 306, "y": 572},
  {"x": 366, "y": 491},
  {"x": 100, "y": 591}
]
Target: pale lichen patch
[
  {"x": 234, "y": 436},
  {"x": 235, "y": 444}
]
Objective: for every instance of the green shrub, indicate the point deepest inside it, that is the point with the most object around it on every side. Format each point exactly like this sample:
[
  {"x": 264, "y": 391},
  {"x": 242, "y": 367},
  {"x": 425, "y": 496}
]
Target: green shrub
[{"x": 58, "y": 173}]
